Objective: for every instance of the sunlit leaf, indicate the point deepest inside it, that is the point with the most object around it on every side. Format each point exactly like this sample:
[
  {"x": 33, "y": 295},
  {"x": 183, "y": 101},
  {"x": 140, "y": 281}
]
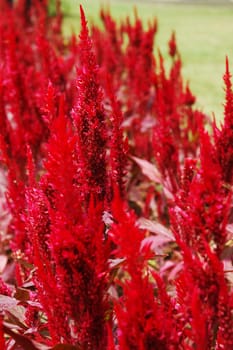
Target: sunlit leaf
[
  {"x": 148, "y": 169},
  {"x": 156, "y": 228},
  {"x": 7, "y": 303},
  {"x": 3, "y": 262},
  {"x": 154, "y": 242}
]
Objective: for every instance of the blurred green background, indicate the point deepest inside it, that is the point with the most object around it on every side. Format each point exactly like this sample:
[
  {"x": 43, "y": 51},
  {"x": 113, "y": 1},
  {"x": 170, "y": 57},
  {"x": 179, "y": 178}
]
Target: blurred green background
[{"x": 204, "y": 31}]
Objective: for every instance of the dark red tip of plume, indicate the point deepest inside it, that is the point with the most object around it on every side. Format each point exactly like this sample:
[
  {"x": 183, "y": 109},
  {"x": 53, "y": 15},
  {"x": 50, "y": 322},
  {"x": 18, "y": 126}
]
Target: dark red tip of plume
[{"x": 172, "y": 45}]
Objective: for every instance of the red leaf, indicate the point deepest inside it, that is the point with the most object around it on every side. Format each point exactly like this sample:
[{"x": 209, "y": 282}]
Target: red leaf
[
  {"x": 22, "y": 294},
  {"x": 148, "y": 169},
  {"x": 65, "y": 347},
  {"x": 23, "y": 341}
]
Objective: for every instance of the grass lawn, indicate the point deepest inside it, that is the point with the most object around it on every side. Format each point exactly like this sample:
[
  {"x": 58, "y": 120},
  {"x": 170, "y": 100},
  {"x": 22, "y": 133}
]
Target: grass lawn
[{"x": 204, "y": 35}]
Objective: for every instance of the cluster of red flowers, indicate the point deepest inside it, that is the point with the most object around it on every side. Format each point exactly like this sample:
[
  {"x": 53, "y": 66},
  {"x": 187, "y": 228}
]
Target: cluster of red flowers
[{"x": 116, "y": 202}]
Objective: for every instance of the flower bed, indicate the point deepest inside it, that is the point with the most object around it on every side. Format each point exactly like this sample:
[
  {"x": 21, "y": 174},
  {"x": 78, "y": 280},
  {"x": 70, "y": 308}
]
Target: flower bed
[{"x": 116, "y": 192}]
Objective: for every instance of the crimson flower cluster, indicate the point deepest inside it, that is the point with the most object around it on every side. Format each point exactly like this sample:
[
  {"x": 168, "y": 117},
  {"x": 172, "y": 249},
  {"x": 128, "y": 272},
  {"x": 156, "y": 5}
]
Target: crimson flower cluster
[{"x": 116, "y": 203}]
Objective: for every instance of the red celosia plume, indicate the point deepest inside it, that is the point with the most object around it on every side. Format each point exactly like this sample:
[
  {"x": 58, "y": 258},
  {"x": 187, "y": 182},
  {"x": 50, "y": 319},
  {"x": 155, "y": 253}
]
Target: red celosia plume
[{"x": 115, "y": 202}]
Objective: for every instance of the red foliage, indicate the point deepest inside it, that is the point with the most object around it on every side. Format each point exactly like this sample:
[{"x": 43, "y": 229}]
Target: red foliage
[{"x": 116, "y": 223}]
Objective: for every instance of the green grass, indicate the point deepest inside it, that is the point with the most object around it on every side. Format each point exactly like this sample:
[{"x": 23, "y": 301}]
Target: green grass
[{"x": 204, "y": 36}]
